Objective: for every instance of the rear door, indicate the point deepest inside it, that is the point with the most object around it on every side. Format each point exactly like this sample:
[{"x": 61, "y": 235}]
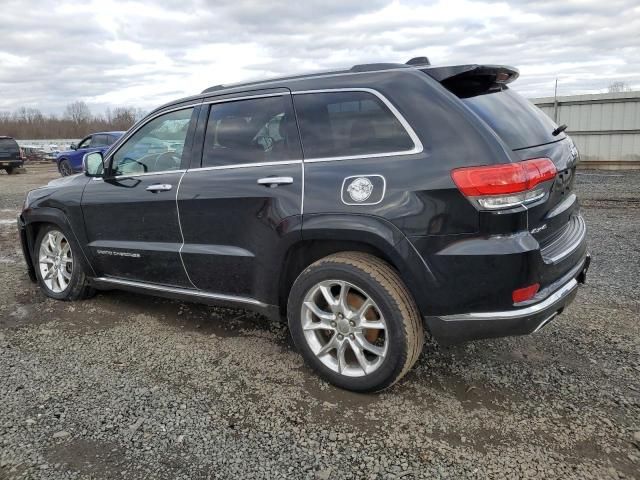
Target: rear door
[
  {"x": 131, "y": 218},
  {"x": 240, "y": 206}
]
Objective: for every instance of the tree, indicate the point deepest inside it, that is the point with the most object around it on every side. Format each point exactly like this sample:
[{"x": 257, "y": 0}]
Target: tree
[
  {"x": 618, "y": 86},
  {"x": 78, "y": 112}
]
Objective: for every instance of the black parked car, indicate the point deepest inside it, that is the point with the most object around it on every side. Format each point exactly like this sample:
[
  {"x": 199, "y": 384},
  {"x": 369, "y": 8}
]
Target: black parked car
[
  {"x": 11, "y": 156},
  {"x": 364, "y": 205}
]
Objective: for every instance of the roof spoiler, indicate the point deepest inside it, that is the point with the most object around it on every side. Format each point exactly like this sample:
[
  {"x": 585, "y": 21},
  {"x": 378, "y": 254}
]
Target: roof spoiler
[{"x": 470, "y": 80}]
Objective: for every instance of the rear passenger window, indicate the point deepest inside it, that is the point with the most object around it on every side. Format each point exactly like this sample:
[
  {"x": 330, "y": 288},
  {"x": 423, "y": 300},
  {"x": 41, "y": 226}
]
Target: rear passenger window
[
  {"x": 251, "y": 131},
  {"x": 344, "y": 124}
]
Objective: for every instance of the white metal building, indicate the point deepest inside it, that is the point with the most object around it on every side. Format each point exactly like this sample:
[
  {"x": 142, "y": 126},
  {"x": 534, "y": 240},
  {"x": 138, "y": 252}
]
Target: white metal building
[{"x": 604, "y": 126}]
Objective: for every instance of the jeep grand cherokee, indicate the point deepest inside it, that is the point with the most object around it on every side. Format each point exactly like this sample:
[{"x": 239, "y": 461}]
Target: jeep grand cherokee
[{"x": 363, "y": 205}]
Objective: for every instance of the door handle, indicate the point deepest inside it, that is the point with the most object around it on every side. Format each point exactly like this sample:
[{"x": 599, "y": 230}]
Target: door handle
[
  {"x": 159, "y": 187},
  {"x": 273, "y": 182}
]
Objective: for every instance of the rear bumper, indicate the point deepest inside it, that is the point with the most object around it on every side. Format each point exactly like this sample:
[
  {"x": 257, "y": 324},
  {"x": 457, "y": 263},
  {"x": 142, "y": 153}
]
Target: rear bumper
[
  {"x": 11, "y": 163},
  {"x": 450, "y": 329}
]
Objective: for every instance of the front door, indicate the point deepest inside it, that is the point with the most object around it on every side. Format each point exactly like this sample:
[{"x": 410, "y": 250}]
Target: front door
[
  {"x": 130, "y": 215},
  {"x": 242, "y": 205}
]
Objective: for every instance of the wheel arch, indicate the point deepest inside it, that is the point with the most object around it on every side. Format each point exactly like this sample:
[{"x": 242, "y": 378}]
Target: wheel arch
[
  {"x": 323, "y": 235},
  {"x": 34, "y": 220}
]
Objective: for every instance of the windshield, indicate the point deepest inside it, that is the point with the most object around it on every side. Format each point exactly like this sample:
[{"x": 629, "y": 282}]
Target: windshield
[{"x": 517, "y": 121}]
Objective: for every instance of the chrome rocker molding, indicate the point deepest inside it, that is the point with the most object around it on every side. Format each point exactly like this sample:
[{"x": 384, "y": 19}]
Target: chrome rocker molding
[{"x": 188, "y": 294}]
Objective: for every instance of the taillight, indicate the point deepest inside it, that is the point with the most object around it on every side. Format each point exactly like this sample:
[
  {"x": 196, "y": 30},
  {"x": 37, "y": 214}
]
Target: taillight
[
  {"x": 504, "y": 185},
  {"x": 22, "y": 157}
]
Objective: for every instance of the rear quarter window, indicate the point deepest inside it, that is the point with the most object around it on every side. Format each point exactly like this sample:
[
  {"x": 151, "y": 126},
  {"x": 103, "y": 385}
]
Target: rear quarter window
[
  {"x": 345, "y": 124},
  {"x": 518, "y": 122}
]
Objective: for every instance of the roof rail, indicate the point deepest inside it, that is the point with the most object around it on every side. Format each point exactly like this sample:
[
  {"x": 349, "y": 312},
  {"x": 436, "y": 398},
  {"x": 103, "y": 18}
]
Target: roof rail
[
  {"x": 213, "y": 89},
  {"x": 372, "y": 67}
]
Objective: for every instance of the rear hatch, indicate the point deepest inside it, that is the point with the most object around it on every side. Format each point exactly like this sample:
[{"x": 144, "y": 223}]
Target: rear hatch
[
  {"x": 528, "y": 132},
  {"x": 9, "y": 150}
]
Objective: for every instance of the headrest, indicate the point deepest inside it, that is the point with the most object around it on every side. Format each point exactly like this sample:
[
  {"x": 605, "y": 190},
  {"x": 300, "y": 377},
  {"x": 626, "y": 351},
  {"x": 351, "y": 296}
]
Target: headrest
[{"x": 233, "y": 132}]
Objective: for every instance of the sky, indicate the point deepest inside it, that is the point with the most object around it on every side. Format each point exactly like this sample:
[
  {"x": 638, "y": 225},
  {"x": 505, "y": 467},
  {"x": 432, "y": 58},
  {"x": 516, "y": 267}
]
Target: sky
[{"x": 143, "y": 53}]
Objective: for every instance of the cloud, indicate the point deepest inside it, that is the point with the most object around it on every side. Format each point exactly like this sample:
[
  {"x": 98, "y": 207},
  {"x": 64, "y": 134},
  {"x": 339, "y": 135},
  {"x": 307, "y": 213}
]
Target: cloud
[{"x": 143, "y": 53}]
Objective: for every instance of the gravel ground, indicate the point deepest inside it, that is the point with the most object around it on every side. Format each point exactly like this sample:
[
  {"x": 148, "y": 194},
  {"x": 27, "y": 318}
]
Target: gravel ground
[{"x": 129, "y": 386}]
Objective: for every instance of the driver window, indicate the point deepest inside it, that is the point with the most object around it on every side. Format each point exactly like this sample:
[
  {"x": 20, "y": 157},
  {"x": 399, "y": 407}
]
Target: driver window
[
  {"x": 251, "y": 131},
  {"x": 86, "y": 143},
  {"x": 156, "y": 147}
]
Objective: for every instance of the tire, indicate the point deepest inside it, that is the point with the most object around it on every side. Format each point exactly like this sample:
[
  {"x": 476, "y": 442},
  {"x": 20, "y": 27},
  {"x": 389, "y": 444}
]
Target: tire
[
  {"x": 10, "y": 170},
  {"x": 322, "y": 324},
  {"x": 64, "y": 167},
  {"x": 72, "y": 282}
]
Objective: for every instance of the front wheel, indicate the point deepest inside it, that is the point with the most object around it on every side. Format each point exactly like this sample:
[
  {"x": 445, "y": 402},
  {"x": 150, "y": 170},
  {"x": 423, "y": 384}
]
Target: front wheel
[
  {"x": 65, "y": 168},
  {"x": 355, "y": 322},
  {"x": 59, "y": 271}
]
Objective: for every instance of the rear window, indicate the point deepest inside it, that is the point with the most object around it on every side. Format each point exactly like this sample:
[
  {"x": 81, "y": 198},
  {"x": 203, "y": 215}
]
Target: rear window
[
  {"x": 344, "y": 124},
  {"x": 517, "y": 121},
  {"x": 8, "y": 145}
]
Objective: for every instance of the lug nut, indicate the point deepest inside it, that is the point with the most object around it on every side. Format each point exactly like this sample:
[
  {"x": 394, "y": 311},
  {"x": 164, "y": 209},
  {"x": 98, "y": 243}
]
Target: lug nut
[
  {"x": 352, "y": 323},
  {"x": 340, "y": 337},
  {"x": 333, "y": 324},
  {"x": 352, "y": 336}
]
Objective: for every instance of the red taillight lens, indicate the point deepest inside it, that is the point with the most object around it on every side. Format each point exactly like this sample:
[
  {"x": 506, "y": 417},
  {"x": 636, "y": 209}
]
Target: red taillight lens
[
  {"x": 503, "y": 179},
  {"x": 526, "y": 293}
]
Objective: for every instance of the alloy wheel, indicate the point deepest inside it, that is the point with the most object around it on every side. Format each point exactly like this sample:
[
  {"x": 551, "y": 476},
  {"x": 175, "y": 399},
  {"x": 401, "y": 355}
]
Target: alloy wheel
[
  {"x": 344, "y": 328},
  {"x": 65, "y": 168},
  {"x": 55, "y": 261}
]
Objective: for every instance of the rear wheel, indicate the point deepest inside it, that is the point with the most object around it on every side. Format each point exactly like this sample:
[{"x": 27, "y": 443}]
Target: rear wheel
[
  {"x": 65, "y": 168},
  {"x": 355, "y": 322},
  {"x": 59, "y": 271},
  {"x": 10, "y": 170}
]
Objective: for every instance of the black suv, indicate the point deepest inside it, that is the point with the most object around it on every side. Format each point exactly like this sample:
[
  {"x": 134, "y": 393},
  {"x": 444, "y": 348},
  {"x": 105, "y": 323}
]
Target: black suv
[
  {"x": 11, "y": 157},
  {"x": 364, "y": 205}
]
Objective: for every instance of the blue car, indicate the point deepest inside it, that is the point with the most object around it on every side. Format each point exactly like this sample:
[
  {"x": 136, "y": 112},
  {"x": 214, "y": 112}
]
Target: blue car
[{"x": 70, "y": 161}]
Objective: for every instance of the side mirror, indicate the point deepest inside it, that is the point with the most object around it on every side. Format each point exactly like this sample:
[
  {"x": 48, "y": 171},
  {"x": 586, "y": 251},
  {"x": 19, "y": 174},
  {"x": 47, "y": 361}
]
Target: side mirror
[
  {"x": 73, "y": 146},
  {"x": 93, "y": 164}
]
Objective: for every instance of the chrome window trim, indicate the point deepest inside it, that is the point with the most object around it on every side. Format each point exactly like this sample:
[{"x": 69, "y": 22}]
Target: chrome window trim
[
  {"x": 245, "y": 165},
  {"x": 182, "y": 291},
  {"x": 417, "y": 144},
  {"x": 247, "y": 97},
  {"x": 148, "y": 174},
  {"x": 136, "y": 175}
]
